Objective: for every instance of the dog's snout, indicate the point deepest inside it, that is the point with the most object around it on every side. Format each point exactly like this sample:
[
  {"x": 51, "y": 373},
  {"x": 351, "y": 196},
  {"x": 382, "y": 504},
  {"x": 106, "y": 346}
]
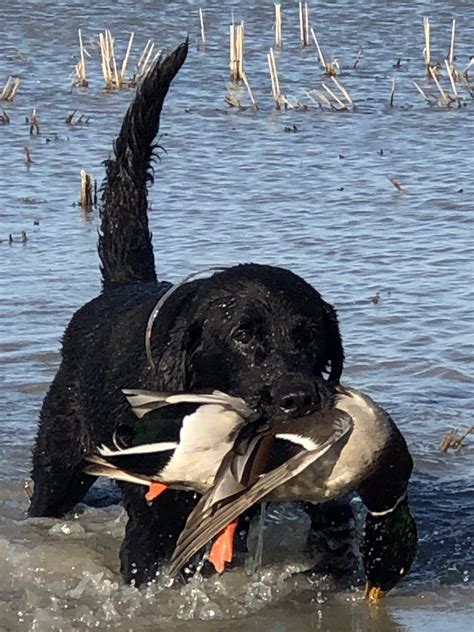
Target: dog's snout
[{"x": 299, "y": 402}]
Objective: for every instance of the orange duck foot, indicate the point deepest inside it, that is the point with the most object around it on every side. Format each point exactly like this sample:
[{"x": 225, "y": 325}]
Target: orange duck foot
[
  {"x": 223, "y": 547},
  {"x": 155, "y": 490}
]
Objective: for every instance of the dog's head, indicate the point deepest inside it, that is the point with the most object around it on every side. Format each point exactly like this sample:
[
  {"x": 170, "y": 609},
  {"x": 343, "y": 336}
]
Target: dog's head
[{"x": 255, "y": 331}]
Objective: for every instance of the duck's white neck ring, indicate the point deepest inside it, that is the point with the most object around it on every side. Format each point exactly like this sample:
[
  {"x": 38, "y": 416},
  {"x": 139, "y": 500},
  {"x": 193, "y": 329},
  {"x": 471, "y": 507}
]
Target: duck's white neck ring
[{"x": 388, "y": 511}]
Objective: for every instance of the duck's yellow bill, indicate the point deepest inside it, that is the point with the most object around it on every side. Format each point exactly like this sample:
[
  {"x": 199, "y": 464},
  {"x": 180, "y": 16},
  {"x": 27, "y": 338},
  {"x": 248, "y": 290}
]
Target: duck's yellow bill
[{"x": 372, "y": 593}]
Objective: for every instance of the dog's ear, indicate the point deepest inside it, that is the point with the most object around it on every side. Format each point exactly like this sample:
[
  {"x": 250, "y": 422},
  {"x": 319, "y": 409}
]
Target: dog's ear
[
  {"x": 170, "y": 337},
  {"x": 335, "y": 350}
]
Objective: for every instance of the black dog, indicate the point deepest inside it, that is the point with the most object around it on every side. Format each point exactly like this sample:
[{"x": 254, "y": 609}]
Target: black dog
[{"x": 255, "y": 331}]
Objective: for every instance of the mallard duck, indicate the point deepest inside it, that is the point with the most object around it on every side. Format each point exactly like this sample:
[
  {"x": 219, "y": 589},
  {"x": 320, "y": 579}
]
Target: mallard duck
[
  {"x": 182, "y": 439},
  {"x": 215, "y": 444},
  {"x": 371, "y": 459}
]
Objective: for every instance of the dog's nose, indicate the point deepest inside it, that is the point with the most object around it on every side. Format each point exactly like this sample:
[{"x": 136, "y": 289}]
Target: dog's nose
[{"x": 299, "y": 402}]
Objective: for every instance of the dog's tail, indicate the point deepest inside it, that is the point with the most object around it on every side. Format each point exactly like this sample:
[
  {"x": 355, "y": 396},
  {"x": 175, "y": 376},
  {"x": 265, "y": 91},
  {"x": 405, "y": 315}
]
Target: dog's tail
[{"x": 125, "y": 247}]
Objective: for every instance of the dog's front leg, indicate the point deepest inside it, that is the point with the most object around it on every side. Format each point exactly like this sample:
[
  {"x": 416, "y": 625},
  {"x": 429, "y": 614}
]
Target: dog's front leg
[
  {"x": 62, "y": 439},
  {"x": 151, "y": 531}
]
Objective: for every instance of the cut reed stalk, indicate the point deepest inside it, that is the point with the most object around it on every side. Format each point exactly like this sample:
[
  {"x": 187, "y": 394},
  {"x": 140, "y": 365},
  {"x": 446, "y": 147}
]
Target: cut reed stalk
[
  {"x": 471, "y": 63},
  {"x": 249, "y": 90},
  {"x": 334, "y": 96},
  {"x": 466, "y": 85},
  {"x": 343, "y": 91},
  {"x": 304, "y": 24},
  {"x": 236, "y": 51},
  {"x": 232, "y": 59},
  {"x": 423, "y": 94},
  {"x": 27, "y": 489},
  {"x": 122, "y": 79},
  {"x": 145, "y": 54},
  {"x": 203, "y": 33},
  {"x": 106, "y": 52},
  {"x": 80, "y": 68},
  {"x": 146, "y": 62},
  {"x": 87, "y": 187},
  {"x": 278, "y": 38},
  {"x": 451, "y": 440},
  {"x": 427, "y": 48},
  {"x": 277, "y": 96},
  {"x": 330, "y": 68},
  {"x": 450, "y": 71},
  {"x": 4, "y": 118},
  {"x": 34, "y": 124},
  {"x": 445, "y": 97},
  {"x": 318, "y": 48},
  {"x": 10, "y": 89},
  {"x": 451, "y": 47}
]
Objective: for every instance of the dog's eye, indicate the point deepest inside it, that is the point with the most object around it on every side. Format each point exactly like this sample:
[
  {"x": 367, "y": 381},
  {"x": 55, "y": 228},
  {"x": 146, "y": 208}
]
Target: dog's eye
[
  {"x": 243, "y": 335},
  {"x": 303, "y": 335}
]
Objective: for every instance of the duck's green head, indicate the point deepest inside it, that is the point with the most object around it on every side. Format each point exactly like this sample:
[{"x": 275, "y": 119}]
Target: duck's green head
[{"x": 388, "y": 548}]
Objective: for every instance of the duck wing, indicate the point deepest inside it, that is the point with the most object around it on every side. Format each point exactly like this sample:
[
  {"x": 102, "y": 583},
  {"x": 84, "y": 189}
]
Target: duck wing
[
  {"x": 179, "y": 437},
  {"x": 257, "y": 465},
  {"x": 100, "y": 467},
  {"x": 143, "y": 401}
]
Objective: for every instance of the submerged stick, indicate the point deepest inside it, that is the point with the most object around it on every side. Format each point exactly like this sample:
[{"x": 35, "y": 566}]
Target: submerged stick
[
  {"x": 357, "y": 59},
  {"x": 28, "y": 158},
  {"x": 322, "y": 97},
  {"x": 397, "y": 185},
  {"x": 392, "y": 94}
]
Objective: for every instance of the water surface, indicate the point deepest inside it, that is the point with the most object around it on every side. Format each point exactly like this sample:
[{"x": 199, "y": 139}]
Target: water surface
[{"x": 232, "y": 187}]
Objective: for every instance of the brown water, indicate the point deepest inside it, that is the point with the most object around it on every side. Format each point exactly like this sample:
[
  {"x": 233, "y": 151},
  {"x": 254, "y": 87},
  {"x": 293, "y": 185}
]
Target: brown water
[{"x": 234, "y": 186}]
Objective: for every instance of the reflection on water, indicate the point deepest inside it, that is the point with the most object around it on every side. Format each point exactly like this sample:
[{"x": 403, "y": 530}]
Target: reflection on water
[{"x": 234, "y": 186}]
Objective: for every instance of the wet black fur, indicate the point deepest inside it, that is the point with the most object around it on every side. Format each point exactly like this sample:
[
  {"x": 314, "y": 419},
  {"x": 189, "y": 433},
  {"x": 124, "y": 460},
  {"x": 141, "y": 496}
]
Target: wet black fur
[{"x": 256, "y": 331}]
